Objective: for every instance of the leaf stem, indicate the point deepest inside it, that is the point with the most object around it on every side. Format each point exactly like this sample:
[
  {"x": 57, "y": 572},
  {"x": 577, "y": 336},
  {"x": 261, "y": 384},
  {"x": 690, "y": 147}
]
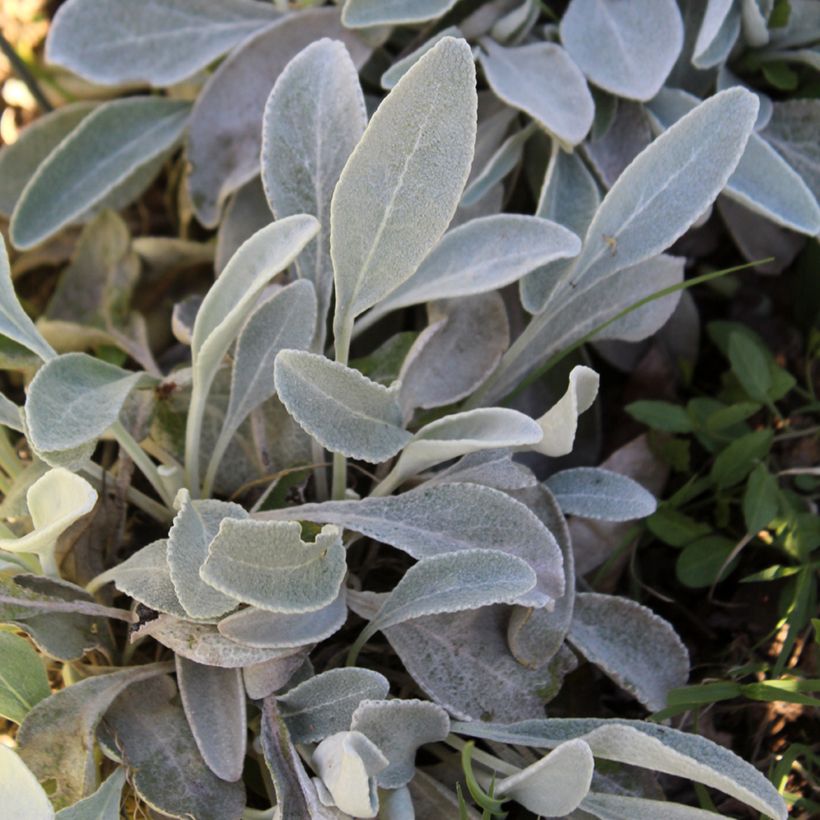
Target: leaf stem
[
  {"x": 342, "y": 342},
  {"x": 23, "y": 72},
  {"x": 141, "y": 459}
]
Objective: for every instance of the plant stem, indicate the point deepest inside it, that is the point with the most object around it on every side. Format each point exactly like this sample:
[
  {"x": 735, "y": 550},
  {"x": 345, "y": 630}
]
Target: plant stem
[
  {"x": 339, "y": 461},
  {"x": 141, "y": 459},
  {"x": 22, "y": 71},
  {"x": 193, "y": 434},
  {"x": 135, "y": 497},
  {"x": 8, "y": 457}
]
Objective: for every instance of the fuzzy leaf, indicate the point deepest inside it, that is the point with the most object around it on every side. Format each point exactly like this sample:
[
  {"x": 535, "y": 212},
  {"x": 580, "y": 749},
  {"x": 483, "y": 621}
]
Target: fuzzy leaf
[
  {"x": 455, "y": 353},
  {"x": 639, "y": 650},
  {"x": 159, "y": 42},
  {"x": 102, "y": 152},
  {"x": 792, "y": 131},
  {"x": 398, "y": 728},
  {"x": 418, "y": 146},
  {"x": 445, "y": 518},
  {"x": 164, "y": 765},
  {"x": 214, "y": 703},
  {"x": 146, "y": 577},
  {"x": 668, "y": 186},
  {"x": 570, "y": 197},
  {"x": 468, "y": 579},
  {"x": 763, "y": 181},
  {"x": 717, "y": 34},
  {"x": 259, "y": 627},
  {"x": 203, "y": 643},
  {"x": 324, "y": 705},
  {"x": 225, "y": 136},
  {"x": 56, "y": 740},
  {"x": 481, "y": 255},
  {"x": 23, "y": 680},
  {"x": 55, "y": 502},
  {"x": 21, "y": 795},
  {"x": 626, "y": 49},
  {"x": 194, "y": 528},
  {"x": 485, "y": 428},
  {"x": 649, "y": 745},
  {"x": 462, "y": 661},
  {"x": 342, "y": 409},
  {"x": 366, "y": 13},
  {"x": 590, "y": 492},
  {"x": 346, "y": 764},
  {"x": 402, "y": 66},
  {"x": 20, "y": 160},
  {"x": 554, "y": 785},
  {"x": 625, "y": 807},
  {"x": 503, "y": 160},
  {"x": 313, "y": 119},
  {"x": 563, "y": 107},
  {"x": 104, "y": 804},
  {"x": 266, "y": 563},
  {"x": 73, "y": 399},
  {"x": 560, "y": 422},
  {"x": 14, "y": 321}
]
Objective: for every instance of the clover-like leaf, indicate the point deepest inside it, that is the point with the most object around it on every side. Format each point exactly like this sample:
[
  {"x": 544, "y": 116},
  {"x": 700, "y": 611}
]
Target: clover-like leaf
[
  {"x": 159, "y": 42},
  {"x": 266, "y": 563},
  {"x": 399, "y": 728},
  {"x": 628, "y": 50},
  {"x": 313, "y": 119},
  {"x": 556, "y": 784},
  {"x": 343, "y": 410},
  {"x": 324, "y": 704},
  {"x": 563, "y": 107},
  {"x": 418, "y": 146},
  {"x": 214, "y": 703},
  {"x": 590, "y": 492},
  {"x": 101, "y": 153}
]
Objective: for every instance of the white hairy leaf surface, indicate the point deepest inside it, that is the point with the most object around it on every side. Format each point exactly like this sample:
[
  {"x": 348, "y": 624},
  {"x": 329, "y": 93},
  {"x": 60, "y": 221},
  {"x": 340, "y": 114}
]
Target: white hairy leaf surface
[
  {"x": 266, "y": 563},
  {"x": 563, "y": 106},
  {"x": 398, "y": 728},
  {"x": 792, "y": 130},
  {"x": 365, "y": 13},
  {"x": 324, "y": 704},
  {"x": 401, "y": 185},
  {"x": 649, "y": 745},
  {"x": 638, "y": 649},
  {"x": 313, "y": 119},
  {"x": 110, "y": 144},
  {"x": 591, "y": 492},
  {"x": 403, "y": 65},
  {"x": 343, "y": 410},
  {"x": 468, "y": 579},
  {"x": 625, "y": 807},
  {"x": 444, "y": 518},
  {"x": 103, "y": 804},
  {"x": 560, "y": 422},
  {"x": 195, "y": 526},
  {"x": 482, "y": 255},
  {"x": 225, "y": 134},
  {"x": 719, "y": 29},
  {"x": 278, "y": 630},
  {"x": 556, "y": 784},
  {"x": 627, "y": 49},
  {"x": 214, "y": 703},
  {"x": 20, "y": 791},
  {"x": 159, "y": 42}
]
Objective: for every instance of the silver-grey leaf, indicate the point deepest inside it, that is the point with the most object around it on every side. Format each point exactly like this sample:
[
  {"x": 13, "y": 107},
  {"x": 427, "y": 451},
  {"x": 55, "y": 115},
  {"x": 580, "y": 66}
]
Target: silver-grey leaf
[
  {"x": 418, "y": 148},
  {"x": 104, "y": 804},
  {"x": 719, "y": 29},
  {"x": 590, "y": 492},
  {"x": 639, "y": 650},
  {"x": 403, "y": 65},
  {"x": 366, "y": 13},
  {"x": 266, "y": 563},
  {"x": 627, "y": 49},
  {"x": 214, "y": 703},
  {"x": 225, "y": 136},
  {"x": 443, "y": 518},
  {"x": 343, "y": 410},
  {"x": 194, "y": 528},
  {"x": 399, "y": 728},
  {"x": 563, "y": 106},
  {"x": 792, "y": 131},
  {"x": 101, "y": 153},
  {"x": 323, "y": 705},
  {"x": 159, "y": 42},
  {"x": 313, "y": 119}
]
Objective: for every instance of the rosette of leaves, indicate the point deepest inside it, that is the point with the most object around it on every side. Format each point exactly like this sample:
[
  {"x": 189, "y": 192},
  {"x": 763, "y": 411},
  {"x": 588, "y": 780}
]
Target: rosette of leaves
[{"x": 249, "y": 604}]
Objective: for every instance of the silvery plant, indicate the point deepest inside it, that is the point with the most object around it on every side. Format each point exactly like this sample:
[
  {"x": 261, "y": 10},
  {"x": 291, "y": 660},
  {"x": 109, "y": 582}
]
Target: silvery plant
[{"x": 266, "y": 576}]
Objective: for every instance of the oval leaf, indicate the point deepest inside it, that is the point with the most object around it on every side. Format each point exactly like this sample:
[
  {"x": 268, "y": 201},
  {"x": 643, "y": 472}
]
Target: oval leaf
[{"x": 590, "y": 492}]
